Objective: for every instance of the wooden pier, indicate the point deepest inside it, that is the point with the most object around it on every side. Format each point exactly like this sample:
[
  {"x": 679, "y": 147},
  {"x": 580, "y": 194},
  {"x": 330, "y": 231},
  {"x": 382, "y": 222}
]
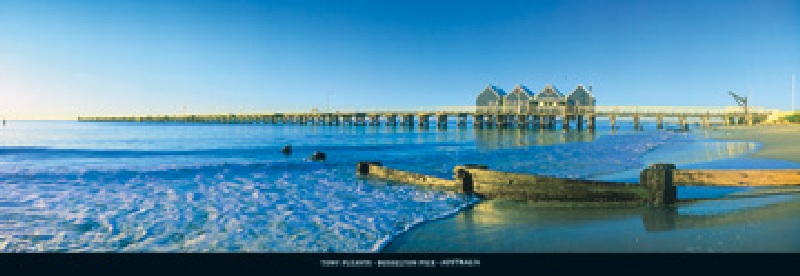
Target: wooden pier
[{"x": 578, "y": 117}]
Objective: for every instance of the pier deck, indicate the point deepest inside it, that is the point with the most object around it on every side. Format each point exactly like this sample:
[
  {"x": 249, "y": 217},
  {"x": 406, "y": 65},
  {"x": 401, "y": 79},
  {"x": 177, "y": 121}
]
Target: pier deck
[{"x": 544, "y": 117}]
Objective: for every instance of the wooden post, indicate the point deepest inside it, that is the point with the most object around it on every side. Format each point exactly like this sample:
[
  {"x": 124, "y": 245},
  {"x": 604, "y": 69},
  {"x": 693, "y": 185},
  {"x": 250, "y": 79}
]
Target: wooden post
[
  {"x": 613, "y": 121},
  {"x": 441, "y": 120},
  {"x": 522, "y": 121},
  {"x": 424, "y": 120},
  {"x": 658, "y": 180},
  {"x": 362, "y": 168},
  {"x": 408, "y": 120},
  {"x": 636, "y": 122},
  {"x": 478, "y": 120},
  {"x": 683, "y": 123},
  {"x": 464, "y": 178},
  {"x": 462, "y": 120},
  {"x": 542, "y": 122}
]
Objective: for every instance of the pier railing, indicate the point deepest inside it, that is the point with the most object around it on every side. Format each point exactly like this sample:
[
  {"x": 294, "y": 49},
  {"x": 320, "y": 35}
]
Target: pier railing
[
  {"x": 472, "y": 110},
  {"x": 643, "y": 110},
  {"x": 413, "y": 109},
  {"x": 689, "y": 110},
  {"x": 582, "y": 116}
]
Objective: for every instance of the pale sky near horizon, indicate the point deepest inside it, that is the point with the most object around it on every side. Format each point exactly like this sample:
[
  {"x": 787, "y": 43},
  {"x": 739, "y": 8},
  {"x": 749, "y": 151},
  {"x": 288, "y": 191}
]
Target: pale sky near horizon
[{"x": 63, "y": 59}]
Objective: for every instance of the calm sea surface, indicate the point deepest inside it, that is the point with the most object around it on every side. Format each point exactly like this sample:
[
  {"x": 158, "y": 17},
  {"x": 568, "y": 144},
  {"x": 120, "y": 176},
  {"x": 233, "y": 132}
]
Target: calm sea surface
[{"x": 99, "y": 187}]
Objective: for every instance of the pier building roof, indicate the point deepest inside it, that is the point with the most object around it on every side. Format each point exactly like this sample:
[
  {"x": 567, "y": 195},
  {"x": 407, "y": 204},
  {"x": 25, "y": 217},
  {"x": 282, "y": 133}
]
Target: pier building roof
[
  {"x": 550, "y": 93},
  {"x": 491, "y": 95},
  {"x": 497, "y": 90},
  {"x": 520, "y": 93}
]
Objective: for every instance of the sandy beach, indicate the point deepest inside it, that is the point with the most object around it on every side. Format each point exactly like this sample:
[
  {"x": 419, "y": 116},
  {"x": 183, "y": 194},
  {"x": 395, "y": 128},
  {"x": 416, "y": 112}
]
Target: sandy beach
[
  {"x": 777, "y": 141},
  {"x": 768, "y": 223}
]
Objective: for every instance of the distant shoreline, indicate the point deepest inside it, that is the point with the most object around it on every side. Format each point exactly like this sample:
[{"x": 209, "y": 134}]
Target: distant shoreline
[{"x": 780, "y": 142}]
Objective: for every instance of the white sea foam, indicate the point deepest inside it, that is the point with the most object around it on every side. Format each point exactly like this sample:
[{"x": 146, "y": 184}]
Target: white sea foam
[{"x": 210, "y": 211}]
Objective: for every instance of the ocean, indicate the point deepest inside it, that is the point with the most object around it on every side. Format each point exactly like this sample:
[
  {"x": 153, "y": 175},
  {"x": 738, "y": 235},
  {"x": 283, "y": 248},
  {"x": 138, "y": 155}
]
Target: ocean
[{"x": 68, "y": 186}]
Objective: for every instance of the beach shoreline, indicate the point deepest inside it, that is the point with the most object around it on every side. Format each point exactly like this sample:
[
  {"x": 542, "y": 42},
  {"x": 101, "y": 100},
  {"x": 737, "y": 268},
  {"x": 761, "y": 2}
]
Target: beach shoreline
[
  {"x": 777, "y": 141},
  {"x": 496, "y": 226}
]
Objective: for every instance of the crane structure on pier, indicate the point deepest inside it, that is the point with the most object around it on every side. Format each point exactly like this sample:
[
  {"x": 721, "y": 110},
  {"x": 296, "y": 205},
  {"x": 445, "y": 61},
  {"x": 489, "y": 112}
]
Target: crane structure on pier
[{"x": 741, "y": 101}]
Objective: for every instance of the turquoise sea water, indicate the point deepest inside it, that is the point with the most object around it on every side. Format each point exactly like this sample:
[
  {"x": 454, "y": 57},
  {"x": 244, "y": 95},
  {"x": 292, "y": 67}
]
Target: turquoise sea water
[{"x": 148, "y": 187}]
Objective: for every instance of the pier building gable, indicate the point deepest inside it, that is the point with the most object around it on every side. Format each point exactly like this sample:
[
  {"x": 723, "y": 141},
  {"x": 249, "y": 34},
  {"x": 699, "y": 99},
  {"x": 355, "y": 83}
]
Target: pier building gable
[
  {"x": 490, "y": 96},
  {"x": 549, "y": 96},
  {"x": 581, "y": 97},
  {"x": 520, "y": 96}
]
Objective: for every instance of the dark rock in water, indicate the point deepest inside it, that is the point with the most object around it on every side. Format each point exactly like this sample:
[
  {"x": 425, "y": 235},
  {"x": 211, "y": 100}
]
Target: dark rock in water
[
  {"x": 287, "y": 149},
  {"x": 318, "y": 156}
]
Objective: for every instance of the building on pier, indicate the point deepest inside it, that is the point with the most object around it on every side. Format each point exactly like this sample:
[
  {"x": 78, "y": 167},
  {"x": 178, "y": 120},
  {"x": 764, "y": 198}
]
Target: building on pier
[
  {"x": 581, "y": 97},
  {"x": 522, "y": 100},
  {"x": 519, "y": 99},
  {"x": 490, "y": 97}
]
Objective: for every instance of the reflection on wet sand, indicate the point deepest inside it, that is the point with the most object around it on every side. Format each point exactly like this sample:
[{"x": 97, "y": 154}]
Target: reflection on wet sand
[
  {"x": 521, "y": 137},
  {"x": 503, "y": 226},
  {"x": 694, "y": 214},
  {"x": 719, "y": 150},
  {"x": 767, "y": 208},
  {"x": 684, "y": 154}
]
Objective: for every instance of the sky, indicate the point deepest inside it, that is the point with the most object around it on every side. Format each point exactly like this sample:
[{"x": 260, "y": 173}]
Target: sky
[{"x": 63, "y": 59}]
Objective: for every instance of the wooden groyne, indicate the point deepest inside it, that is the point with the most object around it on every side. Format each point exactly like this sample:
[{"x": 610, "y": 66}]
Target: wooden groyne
[
  {"x": 375, "y": 169},
  {"x": 738, "y": 178},
  {"x": 478, "y": 179},
  {"x": 536, "y": 188},
  {"x": 656, "y": 187}
]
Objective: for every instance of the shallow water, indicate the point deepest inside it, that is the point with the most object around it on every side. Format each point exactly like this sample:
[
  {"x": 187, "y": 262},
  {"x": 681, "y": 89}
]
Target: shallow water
[{"x": 143, "y": 187}]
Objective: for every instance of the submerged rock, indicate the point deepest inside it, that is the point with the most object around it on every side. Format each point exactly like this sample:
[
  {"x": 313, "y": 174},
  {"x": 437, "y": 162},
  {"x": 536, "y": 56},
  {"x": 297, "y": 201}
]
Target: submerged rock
[{"x": 318, "y": 156}]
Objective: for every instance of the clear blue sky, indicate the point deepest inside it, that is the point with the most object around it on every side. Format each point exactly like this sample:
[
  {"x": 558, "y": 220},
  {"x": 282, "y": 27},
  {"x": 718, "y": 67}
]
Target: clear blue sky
[{"x": 61, "y": 59}]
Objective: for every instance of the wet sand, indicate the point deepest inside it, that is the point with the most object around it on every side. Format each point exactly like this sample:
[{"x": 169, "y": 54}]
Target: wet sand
[
  {"x": 778, "y": 141},
  {"x": 762, "y": 223},
  {"x": 770, "y": 224}
]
